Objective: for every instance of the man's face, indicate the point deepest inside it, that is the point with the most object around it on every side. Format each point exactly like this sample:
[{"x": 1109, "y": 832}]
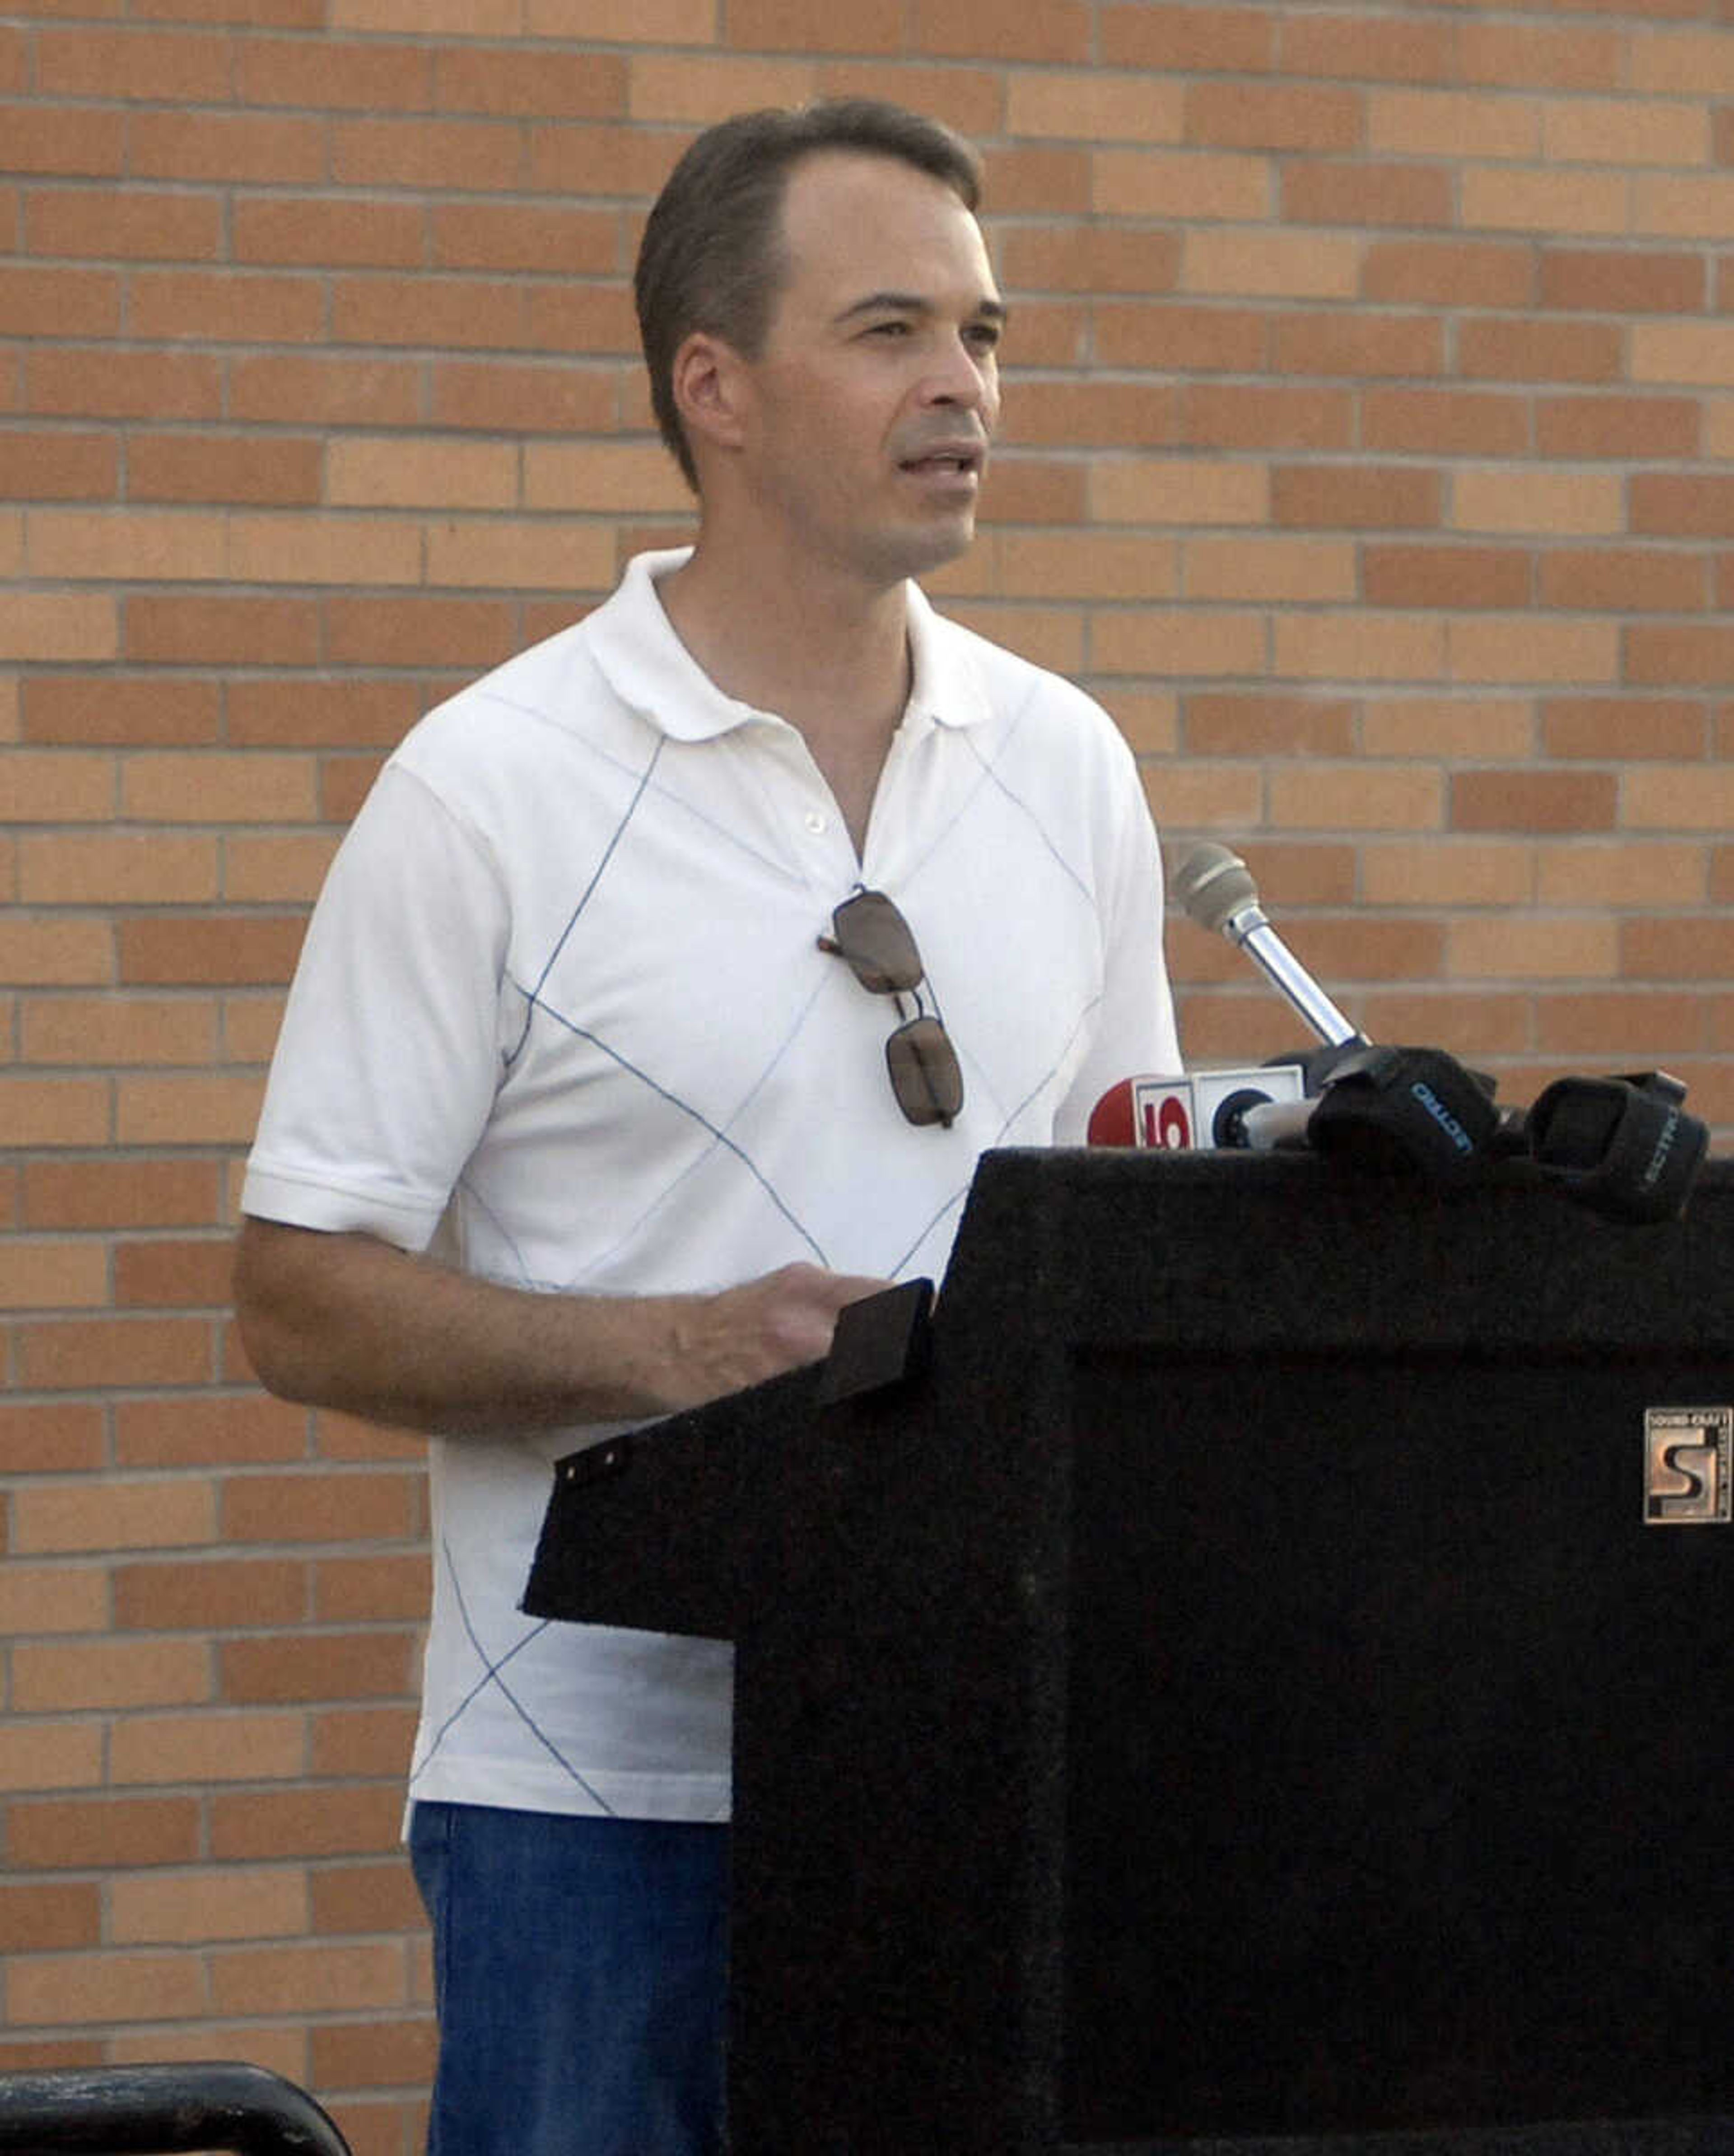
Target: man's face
[{"x": 869, "y": 408}]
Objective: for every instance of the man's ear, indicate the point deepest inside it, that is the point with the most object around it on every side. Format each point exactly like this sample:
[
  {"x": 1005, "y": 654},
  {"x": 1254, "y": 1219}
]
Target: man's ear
[{"x": 709, "y": 384}]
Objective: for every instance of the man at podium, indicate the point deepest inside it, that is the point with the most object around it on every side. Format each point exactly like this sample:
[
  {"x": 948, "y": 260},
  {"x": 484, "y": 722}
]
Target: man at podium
[{"x": 658, "y": 1004}]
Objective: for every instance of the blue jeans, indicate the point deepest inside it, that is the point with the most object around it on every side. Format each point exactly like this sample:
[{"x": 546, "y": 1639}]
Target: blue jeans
[{"x": 580, "y": 1974}]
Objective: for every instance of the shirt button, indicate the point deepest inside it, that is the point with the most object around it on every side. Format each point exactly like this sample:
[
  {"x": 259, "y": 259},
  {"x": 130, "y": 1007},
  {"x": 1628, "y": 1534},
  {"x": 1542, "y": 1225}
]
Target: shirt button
[{"x": 817, "y": 822}]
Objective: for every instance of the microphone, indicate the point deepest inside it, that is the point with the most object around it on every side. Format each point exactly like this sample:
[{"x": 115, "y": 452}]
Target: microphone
[
  {"x": 1112, "y": 1120},
  {"x": 1214, "y": 887}
]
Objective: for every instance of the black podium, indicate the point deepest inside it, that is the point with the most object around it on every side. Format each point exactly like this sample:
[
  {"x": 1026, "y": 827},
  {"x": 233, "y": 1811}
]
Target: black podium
[{"x": 1270, "y": 1675}]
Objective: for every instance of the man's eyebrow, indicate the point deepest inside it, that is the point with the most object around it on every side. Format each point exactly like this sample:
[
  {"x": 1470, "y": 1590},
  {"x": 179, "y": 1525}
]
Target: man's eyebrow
[{"x": 912, "y": 303}]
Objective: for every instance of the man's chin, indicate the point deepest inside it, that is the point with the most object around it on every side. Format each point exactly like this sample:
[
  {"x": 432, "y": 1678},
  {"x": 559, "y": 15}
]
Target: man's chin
[{"x": 919, "y": 549}]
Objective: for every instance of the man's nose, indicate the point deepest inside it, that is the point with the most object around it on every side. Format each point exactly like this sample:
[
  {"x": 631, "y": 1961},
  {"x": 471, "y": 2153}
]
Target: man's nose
[{"x": 960, "y": 376}]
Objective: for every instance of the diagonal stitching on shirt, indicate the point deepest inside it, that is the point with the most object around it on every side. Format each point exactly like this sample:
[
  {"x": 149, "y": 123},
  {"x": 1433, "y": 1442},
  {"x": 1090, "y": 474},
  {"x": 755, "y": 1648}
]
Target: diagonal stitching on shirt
[
  {"x": 533, "y": 996},
  {"x": 990, "y": 772},
  {"x": 491, "y": 1676},
  {"x": 1046, "y": 1079},
  {"x": 719, "y": 1135}
]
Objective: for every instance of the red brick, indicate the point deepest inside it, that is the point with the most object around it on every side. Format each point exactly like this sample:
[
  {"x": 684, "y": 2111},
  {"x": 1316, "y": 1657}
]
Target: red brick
[
  {"x": 59, "y": 303},
  {"x": 1682, "y": 504},
  {"x": 376, "y": 2055},
  {"x": 1449, "y": 273},
  {"x": 1040, "y": 30},
  {"x": 1253, "y": 115},
  {"x": 1610, "y": 281},
  {"x": 116, "y": 385},
  {"x": 228, "y": 307},
  {"x": 209, "y": 1596},
  {"x": 363, "y": 1741},
  {"x": 158, "y": 67},
  {"x": 193, "y": 948},
  {"x": 324, "y": 389},
  {"x": 1359, "y": 345},
  {"x": 392, "y": 152},
  {"x": 88, "y": 710},
  {"x": 364, "y": 74},
  {"x": 206, "y": 467},
  {"x": 86, "y": 142},
  {"x": 1150, "y": 34},
  {"x": 120, "y": 1193},
  {"x": 324, "y": 230},
  {"x": 1541, "y": 351},
  {"x": 1447, "y": 576},
  {"x": 1637, "y": 428},
  {"x": 1317, "y": 191},
  {"x": 473, "y": 633},
  {"x": 326, "y": 1509},
  {"x": 1218, "y": 725},
  {"x": 45, "y": 1919},
  {"x": 1175, "y": 335},
  {"x": 344, "y": 712},
  {"x": 361, "y": 1589},
  {"x": 1368, "y": 497},
  {"x": 1445, "y": 423},
  {"x": 82, "y": 1354},
  {"x": 221, "y": 628},
  {"x": 1693, "y": 950},
  {"x": 513, "y": 397},
  {"x": 105, "y": 222},
  {"x": 1641, "y": 1023},
  {"x": 225, "y": 147},
  {"x": 1090, "y": 259},
  {"x": 163, "y": 1274},
  {"x": 1624, "y": 580},
  {"x": 232, "y": 1429},
  {"x": 1567, "y": 801},
  {"x": 1511, "y": 55},
  {"x": 1362, "y": 47},
  {"x": 1611, "y": 729},
  {"x": 46, "y": 464},
  {"x": 102, "y": 1834},
  {"x": 305, "y": 1822},
  {"x": 542, "y": 84},
  {"x": 50, "y": 1439},
  {"x": 1256, "y": 415},
  {"x": 366, "y": 1897}
]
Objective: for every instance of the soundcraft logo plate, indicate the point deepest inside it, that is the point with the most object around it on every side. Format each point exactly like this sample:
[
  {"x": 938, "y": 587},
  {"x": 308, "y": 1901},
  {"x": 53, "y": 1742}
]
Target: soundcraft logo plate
[{"x": 1686, "y": 1478}]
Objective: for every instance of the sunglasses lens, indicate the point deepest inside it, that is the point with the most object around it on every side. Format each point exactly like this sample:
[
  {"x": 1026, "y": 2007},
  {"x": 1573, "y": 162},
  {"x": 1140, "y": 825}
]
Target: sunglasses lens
[
  {"x": 926, "y": 1076},
  {"x": 873, "y": 938}
]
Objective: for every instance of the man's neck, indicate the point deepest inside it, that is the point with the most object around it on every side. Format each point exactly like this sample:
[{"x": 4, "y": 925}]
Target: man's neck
[{"x": 827, "y": 654}]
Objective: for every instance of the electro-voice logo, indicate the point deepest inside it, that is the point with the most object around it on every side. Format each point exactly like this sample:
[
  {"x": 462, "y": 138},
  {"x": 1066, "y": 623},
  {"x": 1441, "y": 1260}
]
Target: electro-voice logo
[{"x": 1687, "y": 1480}]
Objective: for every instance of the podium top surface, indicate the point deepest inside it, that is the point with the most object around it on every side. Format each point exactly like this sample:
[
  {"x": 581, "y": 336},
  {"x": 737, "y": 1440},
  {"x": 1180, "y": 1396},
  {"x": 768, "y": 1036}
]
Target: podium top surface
[{"x": 1155, "y": 1248}]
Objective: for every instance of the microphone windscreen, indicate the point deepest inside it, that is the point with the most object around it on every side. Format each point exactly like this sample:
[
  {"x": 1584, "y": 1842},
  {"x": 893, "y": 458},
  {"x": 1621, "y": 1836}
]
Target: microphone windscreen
[
  {"x": 1111, "y": 1119},
  {"x": 1211, "y": 883}
]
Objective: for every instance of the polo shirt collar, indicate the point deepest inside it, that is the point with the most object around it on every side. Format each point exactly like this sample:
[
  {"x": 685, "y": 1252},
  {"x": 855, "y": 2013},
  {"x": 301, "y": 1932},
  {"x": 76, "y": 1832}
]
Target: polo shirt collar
[{"x": 645, "y": 662}]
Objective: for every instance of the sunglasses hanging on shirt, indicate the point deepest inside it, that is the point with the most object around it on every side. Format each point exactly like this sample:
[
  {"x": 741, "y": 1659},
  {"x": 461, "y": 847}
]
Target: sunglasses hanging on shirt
[{"x": 874, "y": 942}]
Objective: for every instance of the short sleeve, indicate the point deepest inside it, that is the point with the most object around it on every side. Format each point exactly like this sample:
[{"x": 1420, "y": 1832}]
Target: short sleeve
[{"x": 389, "y": 1056}]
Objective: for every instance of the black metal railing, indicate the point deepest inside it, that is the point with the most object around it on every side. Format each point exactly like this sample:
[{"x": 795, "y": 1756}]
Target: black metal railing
[{"x": 158, "y": 2111}]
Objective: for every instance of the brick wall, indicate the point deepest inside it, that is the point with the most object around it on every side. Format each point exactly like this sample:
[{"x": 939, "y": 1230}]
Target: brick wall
[{"x": 1367, "y": 450}]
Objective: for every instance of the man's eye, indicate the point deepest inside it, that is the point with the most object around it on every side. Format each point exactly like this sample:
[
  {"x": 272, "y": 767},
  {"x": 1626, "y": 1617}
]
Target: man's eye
[{"x": 890, "y": 329}]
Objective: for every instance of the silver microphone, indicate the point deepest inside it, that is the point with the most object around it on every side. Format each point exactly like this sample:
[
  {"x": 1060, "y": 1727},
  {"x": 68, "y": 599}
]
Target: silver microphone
[{"x": 1214, "y": 887}]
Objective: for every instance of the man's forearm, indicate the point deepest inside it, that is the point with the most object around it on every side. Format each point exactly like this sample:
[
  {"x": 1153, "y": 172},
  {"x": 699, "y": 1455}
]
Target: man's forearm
[{"x": 345, "y": 1321}]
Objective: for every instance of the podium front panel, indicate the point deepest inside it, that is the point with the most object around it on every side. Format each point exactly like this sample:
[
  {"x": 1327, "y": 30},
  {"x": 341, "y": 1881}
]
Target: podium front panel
[{"x": 1401, "y": 1749}]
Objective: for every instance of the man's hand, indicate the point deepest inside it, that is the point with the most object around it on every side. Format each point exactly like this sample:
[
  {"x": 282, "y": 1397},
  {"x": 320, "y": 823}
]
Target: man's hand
[{"x": 724, "y": 1342}]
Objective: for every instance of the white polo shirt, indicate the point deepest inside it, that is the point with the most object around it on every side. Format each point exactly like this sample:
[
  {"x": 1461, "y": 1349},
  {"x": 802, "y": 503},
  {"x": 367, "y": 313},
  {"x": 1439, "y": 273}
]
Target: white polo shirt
[{"x": 562, "y": 1017}]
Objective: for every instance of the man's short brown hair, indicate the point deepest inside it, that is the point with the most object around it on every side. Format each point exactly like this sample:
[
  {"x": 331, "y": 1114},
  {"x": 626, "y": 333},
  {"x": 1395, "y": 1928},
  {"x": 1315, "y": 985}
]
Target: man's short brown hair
[{"x": 711, "y": 257}]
